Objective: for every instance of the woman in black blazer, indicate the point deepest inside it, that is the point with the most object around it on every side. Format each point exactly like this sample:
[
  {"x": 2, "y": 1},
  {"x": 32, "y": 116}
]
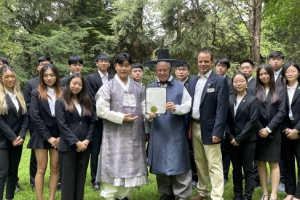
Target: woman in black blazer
[
  {"x": 45, "y": 138},
  {"x": 242, "y": 122},
  {"x": 13, "y": 125},
  {"x": 271, "y": 115},
  {"x": 75, "y": 119},
  {"x": 291, "y": 128}
]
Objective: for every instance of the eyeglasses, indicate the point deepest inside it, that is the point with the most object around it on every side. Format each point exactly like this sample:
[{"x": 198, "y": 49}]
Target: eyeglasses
[{"x": 182, "y": 69}]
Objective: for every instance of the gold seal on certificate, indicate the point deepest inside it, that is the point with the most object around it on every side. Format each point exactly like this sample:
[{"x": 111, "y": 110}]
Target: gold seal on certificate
[{"x": 153, "y": 109}]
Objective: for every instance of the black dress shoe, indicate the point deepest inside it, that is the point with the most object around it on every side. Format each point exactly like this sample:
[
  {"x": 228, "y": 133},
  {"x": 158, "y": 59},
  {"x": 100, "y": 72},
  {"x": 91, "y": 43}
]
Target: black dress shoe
[
  {"x": 58, "y": 187},
  {"x": 18, "y": 188},
  {"x": 167, "y": 197},
  {"x": 32, "y": 186},
  {"x": 96, "y": 186},
  {"x": 123, "y": 198}
]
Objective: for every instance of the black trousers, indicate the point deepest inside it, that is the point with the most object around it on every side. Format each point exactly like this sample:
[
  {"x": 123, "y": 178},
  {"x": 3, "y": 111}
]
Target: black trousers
[
  {"x": 96, "y": 148},
  {"x": 73, "y": 167},
  {"x": 33, "y": 164},
  {"x": 9, "y": 165},
  {"x": 242, "y": 156},
  {"x": 291, "y": 149},
  {"x": 193, "y": 163},
  {"x": 225, "y": 150}
]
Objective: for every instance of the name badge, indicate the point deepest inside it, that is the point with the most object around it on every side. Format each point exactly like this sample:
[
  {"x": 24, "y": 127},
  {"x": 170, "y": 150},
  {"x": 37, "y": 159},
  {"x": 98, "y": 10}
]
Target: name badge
[
  {"x": 210, "y": 89},
  {"x": 129, "y": 100}
]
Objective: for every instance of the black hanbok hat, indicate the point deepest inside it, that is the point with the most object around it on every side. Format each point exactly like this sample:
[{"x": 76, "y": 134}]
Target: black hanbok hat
[{"x": 163, "y": 55}]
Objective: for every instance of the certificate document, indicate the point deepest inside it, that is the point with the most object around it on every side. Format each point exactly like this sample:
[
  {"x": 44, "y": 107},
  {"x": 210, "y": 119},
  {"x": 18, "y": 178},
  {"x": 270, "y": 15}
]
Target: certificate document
[{"x": 156, "y": 100}]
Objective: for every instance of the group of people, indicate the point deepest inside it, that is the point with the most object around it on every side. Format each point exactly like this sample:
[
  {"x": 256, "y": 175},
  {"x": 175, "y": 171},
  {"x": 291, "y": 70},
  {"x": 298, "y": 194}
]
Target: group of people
[{"x": 210, "y": 120}]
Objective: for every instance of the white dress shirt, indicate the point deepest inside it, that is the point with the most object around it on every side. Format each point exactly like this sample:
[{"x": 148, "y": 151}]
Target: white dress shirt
[
  {"x": 291, "y": 92},
  {"x": 14, "y": 99},
  {"x": 79, "y": 109},
  {"x": 277, "y": 73},
  {"x": 51, "y": 100},
  {"x": 236, "y": 105},
  {"x": 198, "y": 94},
  {"x": 104, "y": 78}
]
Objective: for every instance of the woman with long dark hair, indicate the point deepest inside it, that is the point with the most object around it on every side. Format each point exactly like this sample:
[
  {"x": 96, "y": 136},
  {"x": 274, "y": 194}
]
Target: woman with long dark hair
[
  {"x": 45, "y": 138},
  {"x": 271, "y": 115},
  {"x": 242, "y": 122},
  {"x": 13, "y": 126},
  {"x": 291, "y": 127},
  {"x": 75, "y": 119}
]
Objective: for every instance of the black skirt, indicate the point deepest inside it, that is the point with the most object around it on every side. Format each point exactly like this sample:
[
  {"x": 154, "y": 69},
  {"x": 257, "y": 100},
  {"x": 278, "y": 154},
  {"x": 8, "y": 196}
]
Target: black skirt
[
  {"x": 268, "y": 149},
  {"x": 38, "y": 142}
]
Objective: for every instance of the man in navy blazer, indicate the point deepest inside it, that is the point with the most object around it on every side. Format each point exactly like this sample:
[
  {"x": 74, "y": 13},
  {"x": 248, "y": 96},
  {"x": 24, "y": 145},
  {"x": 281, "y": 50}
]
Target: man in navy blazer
[{"x": 208, "y": 118}]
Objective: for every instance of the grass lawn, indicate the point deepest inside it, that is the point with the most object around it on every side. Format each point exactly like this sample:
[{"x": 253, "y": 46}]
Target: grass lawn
[{"x": 146, "y": 192}]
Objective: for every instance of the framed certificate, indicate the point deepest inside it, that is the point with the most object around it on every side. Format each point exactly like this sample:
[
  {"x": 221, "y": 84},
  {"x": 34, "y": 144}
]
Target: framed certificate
[{"x": 156, "y": 100}]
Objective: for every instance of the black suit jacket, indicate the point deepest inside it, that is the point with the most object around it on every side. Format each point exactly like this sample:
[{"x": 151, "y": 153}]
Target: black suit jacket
[
  {"x": 72, "y": 127},
  {"x": 252, "y": 85},
  {"x": 272, "y": 115},
  {"x": 242, "y": 126},
  {"x": 230, "y": 86},
  {"x": 63, "y": 81},
  {"x": 41, "y": 116},
  {"x": 295, "y": 124},
  {"x": 30, "y": 85},
  {"x": 94, "y": 83},
  {"x": 278, "y": 80},
  {"x": 12, "y": 124},
  {"x": 213, "y": 106}
]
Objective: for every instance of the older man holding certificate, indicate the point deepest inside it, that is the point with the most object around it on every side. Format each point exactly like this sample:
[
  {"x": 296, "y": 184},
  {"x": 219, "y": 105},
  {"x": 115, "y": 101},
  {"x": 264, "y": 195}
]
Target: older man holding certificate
[{"x": 168, "y": 154}]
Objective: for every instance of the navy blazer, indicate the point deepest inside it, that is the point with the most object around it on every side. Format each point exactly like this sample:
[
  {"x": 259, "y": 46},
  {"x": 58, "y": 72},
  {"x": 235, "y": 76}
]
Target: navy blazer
[
  {"x": 12, "y": 124},
  {"x": 41, "y": 117},
  {"x": 94, "y": 83},
  {"x": 30, "y": 85},
  {"x": 252, "y": 85},
  {"x": 272, "y": 115},
  {"x": 213, "y": 106},
  {"x": 295, "y": 124},
  {"x": 73, "y": 128},
  {"x": 242, "y": 126}
]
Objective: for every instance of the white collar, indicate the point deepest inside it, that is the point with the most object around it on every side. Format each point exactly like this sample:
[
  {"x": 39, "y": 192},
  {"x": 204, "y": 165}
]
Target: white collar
[
  {"x": 249, "y": 79},
  {"x": 102, "y": 75},
  {"x": 124, "y": 86},
  {"x": 293, "y": 87},
  {"x": 207, "y": 74},
  {"x": 11, "y": 95},
  {"x": 278, "y": 72}
]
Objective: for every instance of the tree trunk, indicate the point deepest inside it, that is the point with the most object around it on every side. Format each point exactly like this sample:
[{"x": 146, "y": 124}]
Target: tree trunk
[{"x": 254, "y": 30}]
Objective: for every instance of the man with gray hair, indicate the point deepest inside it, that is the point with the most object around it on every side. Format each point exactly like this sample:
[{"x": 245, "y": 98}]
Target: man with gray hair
[{"x": 168, "y": 154}]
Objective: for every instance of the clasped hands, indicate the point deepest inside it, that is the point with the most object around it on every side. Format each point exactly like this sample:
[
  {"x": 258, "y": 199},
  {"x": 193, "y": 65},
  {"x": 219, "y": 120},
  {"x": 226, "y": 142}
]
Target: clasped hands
[
  {"x": 263, "y": 133},
  {"x": 82, "y": 145},
  {"x": 54, "y": 141},
  {"x": 292, "y": 134},
  {"x": 18, "y": 141}
]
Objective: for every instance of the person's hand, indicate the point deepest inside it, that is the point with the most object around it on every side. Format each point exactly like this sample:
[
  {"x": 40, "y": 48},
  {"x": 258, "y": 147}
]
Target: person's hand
[
  {"x": 233, "y": 142},
  {"x": 81, "y": 146},
  {"x": 53, "y": 141},
  {"x": 215, "y": 139},
  {"x": 292, "y": 134},
  {"x": 170, "y": 106},
  {"x": 151, "y": 116},
  {"x": 86, "y": 142},
  {"x": 263, "y": 133},
  {"x": 128, "y": 118},
  {"x": 18, "y": 141}
]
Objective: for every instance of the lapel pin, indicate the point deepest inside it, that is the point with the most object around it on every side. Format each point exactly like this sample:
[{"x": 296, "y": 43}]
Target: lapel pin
[{"x": 244, "y": 100}]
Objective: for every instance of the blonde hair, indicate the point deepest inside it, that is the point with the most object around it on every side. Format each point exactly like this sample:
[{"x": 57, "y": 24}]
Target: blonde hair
[{"x": 16, "y": 91}]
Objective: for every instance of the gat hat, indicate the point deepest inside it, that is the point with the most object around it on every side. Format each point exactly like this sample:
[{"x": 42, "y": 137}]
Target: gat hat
[{"x": 163, "y": 55}]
